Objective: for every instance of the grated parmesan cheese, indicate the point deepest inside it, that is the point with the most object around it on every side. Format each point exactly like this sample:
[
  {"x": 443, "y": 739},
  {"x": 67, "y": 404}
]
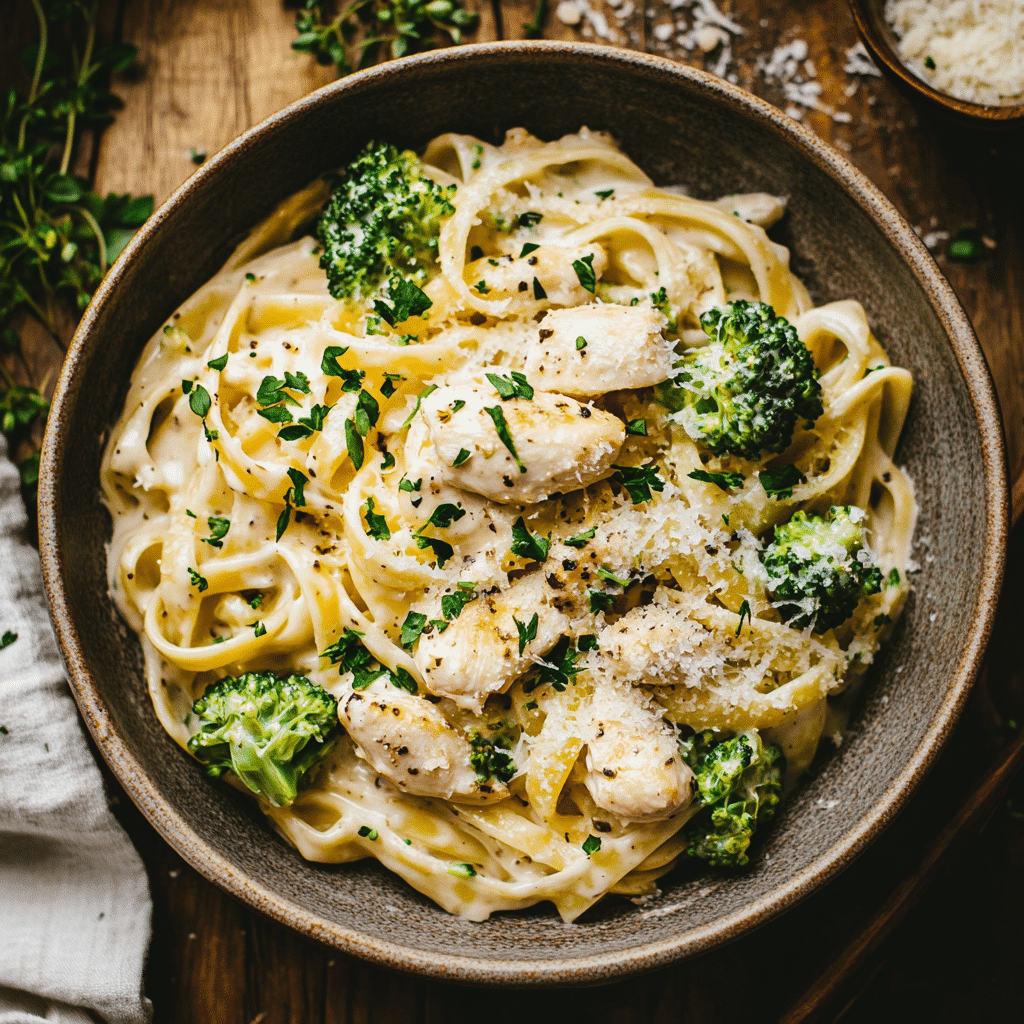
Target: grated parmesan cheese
[{"x": 971, "y": 49}]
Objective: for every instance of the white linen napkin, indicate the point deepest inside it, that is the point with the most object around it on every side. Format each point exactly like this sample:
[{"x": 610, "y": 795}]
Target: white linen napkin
[{"x": 74, "y": 899}]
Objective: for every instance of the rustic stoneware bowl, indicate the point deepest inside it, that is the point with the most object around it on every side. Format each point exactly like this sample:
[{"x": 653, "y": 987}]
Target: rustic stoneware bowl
[
  {"x": 682, "y": 126},
  {"x": 881, "y": 42}
]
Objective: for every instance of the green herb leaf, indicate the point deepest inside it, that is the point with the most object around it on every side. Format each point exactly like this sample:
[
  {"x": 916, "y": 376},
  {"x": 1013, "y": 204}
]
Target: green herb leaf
[
  {"x": 463, "y": 455},
  {"x": 442, "y": 549},
  {"x": 199, "y": 400},
  {"x": 599, "y": 601},
  {"x": 637, "y": 427},
  {"x": 197, "y": 581},
  {"x": 587, "y": 642},
  {"x": 893, "y": 579},
  {"x": 580, "y": 540},
  {"x": 403, "y": 680},
  {"x": 444, "y": 515},
  {"x": 581, "y": 343},
  {"x": 606, "y": 193},
  {"x": 283, "y": 520},
  {"x": 639, "y": 481},
  {"x": 722, "y": 480},
  {"x": 405, "y": 484},
  {"x": 744, "y": 612},
  {"x": 530, "y": 219},
  {"x": 329, "y": 363},
  {"x": 481, "y": 287},
  {"x": 367, "y": 412},
  {"x": 498, "y": 417},
  {"x": 5, "y": 641},
  {"x": 779, "y": 483},
  {"x": 462, "y": 870},
  {"x": 419, "y": 401},
  {"x": 606, "y": 574},
  {"x": 388, "y": 463},
  {"x": 218, "y": 531},
  {"x": 527, "y": 248},
  {"x": 354, "y": 443},
  {"x": 365, "y": 832},
  {"x": 407, "y": 300},
  {"x": 528, "y": 545},
  {"x": 299, "y": 481},
  {"x": 376, "y": 525},
  {"x": 538, "y": 290},
  {"x": 387, "y": 389},
  {"x": 255, "y": 602},
  {"x": 258, "y": 629},
  {"x": 585, "y": 272},
  {"x": 219, "y": 363},
  {"x": 514, "y": 386},
  {"x": 591, "y": 845},
  {"x": 452, "y": 604},
  {"x": 276, "y": 414},
  {"x": 526, "y": 632},
  {"x": 414, "y": 624}
]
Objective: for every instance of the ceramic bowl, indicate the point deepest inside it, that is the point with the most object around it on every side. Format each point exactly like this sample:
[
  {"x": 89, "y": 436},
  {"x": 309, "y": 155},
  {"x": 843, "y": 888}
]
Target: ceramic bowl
[
  {"x": 880, "y": 40},
  {"x": 682, "y": 126}
]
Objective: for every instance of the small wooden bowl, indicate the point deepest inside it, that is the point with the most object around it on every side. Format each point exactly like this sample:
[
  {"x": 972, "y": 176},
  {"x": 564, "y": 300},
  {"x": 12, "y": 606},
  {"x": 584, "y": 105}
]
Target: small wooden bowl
[
  {"x": 880, "y": 40},
  {"x": 682, "y": 126}
]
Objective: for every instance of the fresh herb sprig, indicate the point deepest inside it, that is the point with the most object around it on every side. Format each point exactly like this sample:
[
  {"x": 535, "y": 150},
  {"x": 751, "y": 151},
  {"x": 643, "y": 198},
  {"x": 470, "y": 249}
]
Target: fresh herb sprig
[
  {"x": 57, "y": 236},
  {"x": 359, "y": 34}
]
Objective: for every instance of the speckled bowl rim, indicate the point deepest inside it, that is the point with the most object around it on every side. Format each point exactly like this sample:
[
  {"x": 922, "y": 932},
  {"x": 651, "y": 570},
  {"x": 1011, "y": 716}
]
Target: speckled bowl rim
[{"x": 643, "y": 957}]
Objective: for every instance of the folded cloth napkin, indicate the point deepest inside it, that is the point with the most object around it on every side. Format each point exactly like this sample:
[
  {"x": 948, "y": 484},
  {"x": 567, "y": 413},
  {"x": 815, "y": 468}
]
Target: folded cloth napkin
[{"x": 74, "y": 899}]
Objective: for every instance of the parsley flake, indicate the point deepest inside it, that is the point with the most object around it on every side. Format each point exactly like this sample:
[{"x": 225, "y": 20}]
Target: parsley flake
[
  {"x": 722, "y": 480},
  {"x": 219, "y": 363},
  {"x": 744, "y": 613},
  {"x": 513, "y": 386},
  {"x": 528, "y": 545},
  {"x": 329, "y": 363},
  {"x": 412, "y": 627},
  {"x": 591, "y": 845},
  {"x": 452, "y": 604},
  {"x": 376, "y": 525},
  {"x": 599, "y": 601},
  {"x": 530, "y": 219},
  {"x": 407, "y": 300},
  {"x": 605, "y": 193},
  {"x": 637, "y": 427},
  {"x": 365, "y": 832},
  {"x": 581, "y": 343},
  {"x": 526, "y": 632},
  {"x": 498, "y": 417},
  {"x": 639, "y": 481},
  {"x": 354, "y": 443},
  {"x": 779, "y": 483},
  {"x": 464, "y": 454},
  {"x": 197, "y": 580},
  {"x": 538, "y": 290},
  {"x": 218, "y": 531},
  {"x": 419, "y": 401},
  {"x": 6, "y": 640},
  {"x": 528, "y": 247},
  {"x": 580, "y": 540},
  {"x": 606, "y": 574},
  {"x": 462, "y": 870},
  {"x": 585, "y": 272}
]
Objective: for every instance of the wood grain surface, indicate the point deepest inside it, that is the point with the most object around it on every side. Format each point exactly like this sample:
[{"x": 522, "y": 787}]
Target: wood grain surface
[{"x": 209, "y": 69}]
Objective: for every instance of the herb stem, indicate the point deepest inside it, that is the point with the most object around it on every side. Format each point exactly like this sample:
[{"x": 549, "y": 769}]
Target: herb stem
[
  {"x": 97, "y": 231},
  {"x": 83, "y": 77},
  {"x": 37, "y": 74}
]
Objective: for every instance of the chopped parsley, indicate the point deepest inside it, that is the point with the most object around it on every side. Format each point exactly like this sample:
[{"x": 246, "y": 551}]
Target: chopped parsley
[
  {"x": 639, "y": 481},
  {"x": 637, "y": 427},
  {"x": 745, "y": 613},
  {"x": 197, "y": 581},
  {"x": 722, "y": 480},
  {"x": 605, "y": 193},
  {"x": 407, "y": 300},
  {"x": 538, "y": 290},
  {"x": 387, "y": 389},
  {"x": 558, "y": 670},
  {"x": 530, "y": 219},
  {"x": 452, "y": 604},
  {"x": 251, "y": 278},
  {"x": 349, "y": 654},
  {"x": 581, "y": 343},
  {"x": 329, "y": 363},
  {"x": 587, "y": 642},
  {"x": 354, "y": 443},
  {"x": 462, "y": 870},
  {"x": 585, "y": 272},
  {"x": 591, "y": 845},
  {"x": 219, "y": 363},
  {"x": 444, "y": 515},
  {"x": 779, "y": 483},
  {"x": 580, "y": 540},
  {"x": 255, "y": 602},
  {"x": 606, "y": 574},
  {"x": 458, "y": 404},
  {"x": 528, "y": 545},
  {"x": 599, "y": 601},
  {"x": 388, "y": 463},
  {"x": 442, "y": 549},
  {"x": 415, "y": 623},
  {"x": 894, "y": 578},
  {"x": 294, "y": 496},
  {"x": 5, "y": 641},
  {"x": 218, "y": 531},
  {"x": 882, "y": 620},
  {"x": 504, "y": 436},
  {"x": 376, "y": 524},
  {"x": 527, "y": 631},
  {"x": 463, "y": 456},
  {"x": 528, "y": 247},
  {"x": 419, "y": 401},
  {"x": 306, "y": 426},
  {"x": 365, "y": 832},
  {"x": 198, "y": 398},
  {"x": 367, "y": 412},
  {"x": 659, "y": 300},
  {"x": 258, "y": 629},
  {"x": 403, "y": 680},
  {"x": 513, "y": 386},
  {"x": 929, "y": 63},
  {"x": 481, "y": 287},
  {"x": 405, "y": 484}
]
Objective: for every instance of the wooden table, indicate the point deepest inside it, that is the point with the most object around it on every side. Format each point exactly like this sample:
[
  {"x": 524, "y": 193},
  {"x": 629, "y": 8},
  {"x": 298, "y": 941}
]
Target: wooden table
[{"x": 211, "y": 68}]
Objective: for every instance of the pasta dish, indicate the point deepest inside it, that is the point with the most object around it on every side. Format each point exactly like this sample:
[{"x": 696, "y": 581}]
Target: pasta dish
[{"x": 509, "y": 519}]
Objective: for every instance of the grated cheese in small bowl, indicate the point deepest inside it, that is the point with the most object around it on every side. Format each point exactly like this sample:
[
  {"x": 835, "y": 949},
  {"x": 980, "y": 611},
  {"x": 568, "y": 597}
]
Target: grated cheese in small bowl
[{"x": 971, "y": 49}]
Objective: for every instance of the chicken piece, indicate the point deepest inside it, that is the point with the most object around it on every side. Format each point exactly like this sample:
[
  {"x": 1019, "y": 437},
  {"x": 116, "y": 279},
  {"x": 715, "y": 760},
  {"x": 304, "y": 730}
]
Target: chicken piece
[
  {"x": 512, "y": 278},
  {"x": 409, "y": 741},
  {"x": 478, "y": 654},
  {"x": 590, "y": 350},
  {"x": 560, "y": 444},
  {"x": 633, "y": 765}
]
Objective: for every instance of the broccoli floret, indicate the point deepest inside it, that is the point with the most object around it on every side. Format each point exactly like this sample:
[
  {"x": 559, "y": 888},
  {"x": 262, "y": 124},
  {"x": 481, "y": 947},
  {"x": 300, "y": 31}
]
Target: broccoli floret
[
  {"x": 819, "y": 569},
  {"x": 491, "y": 756},
  {"x": 269, "y": 729},
  {"x": 381, "y": 221},
  {"x": 743, "y": 393},
  {"x": 739, "y": 783}
]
